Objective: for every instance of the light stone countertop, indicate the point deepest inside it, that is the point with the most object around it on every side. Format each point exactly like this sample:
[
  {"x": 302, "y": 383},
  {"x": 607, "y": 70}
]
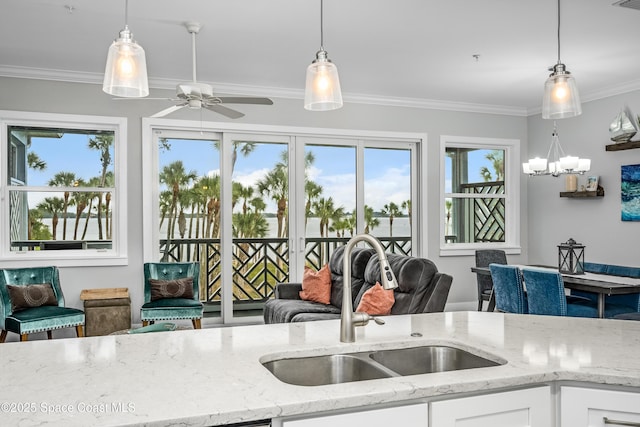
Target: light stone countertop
[{"x": 214, "y": 376}]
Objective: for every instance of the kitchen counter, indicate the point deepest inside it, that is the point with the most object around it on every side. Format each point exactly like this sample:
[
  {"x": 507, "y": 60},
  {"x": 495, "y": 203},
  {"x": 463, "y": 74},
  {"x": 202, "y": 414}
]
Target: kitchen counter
[{"x": 214, "y": 376}]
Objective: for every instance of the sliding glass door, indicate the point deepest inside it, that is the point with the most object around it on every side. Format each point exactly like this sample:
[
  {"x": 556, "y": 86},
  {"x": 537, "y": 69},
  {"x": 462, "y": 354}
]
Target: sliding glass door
[{"x": 256, "y": 208}]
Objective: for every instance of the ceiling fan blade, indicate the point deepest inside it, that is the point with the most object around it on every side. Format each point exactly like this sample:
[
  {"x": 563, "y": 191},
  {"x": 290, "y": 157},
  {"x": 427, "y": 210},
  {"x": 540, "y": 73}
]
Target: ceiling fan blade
[
  {"x": 244, "y": 100},
  {"x": 142, "y": 99},
  {"x": 168, "y": 111},
  {"x": 228, "y": 112}
]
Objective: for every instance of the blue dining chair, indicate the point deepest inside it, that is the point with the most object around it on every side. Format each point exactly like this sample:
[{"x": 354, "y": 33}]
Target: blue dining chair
[
  {"x": 616, "y": 306},
  {"x": 508, "y": 289},
  {"x": 31, "y": 300},
  {"x": 546, "y": 296},
  {"x": 171, "y": 291}
]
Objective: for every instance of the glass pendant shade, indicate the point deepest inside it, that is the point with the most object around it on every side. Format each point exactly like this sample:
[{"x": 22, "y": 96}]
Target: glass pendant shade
[
  {"x": 126, "y": 70},
  {"x": 322, "y": 90},
  {"x": 561, "y": 99}
]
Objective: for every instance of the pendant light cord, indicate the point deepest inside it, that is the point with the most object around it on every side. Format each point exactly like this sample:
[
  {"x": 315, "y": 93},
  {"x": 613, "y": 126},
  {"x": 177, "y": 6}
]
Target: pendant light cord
[
  {"x": 558, "y": 31},
  {"x": 126, "y": 13},
  {"x": 321, "y": 24}
]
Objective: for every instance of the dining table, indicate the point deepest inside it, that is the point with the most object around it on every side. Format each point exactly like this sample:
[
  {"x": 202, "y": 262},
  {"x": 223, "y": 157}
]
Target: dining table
[{"x": 602, "y": 285}]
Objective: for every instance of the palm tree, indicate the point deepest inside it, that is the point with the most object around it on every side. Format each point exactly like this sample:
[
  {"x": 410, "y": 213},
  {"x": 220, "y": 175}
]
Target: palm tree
[
  {"x": 102, "y": 143},
  {"x": 407, "y": 205},
  {"x": 165, "y": 205},
  {"x": 64, "y": 179},
  {"x": 52, "y": 205},
  {"x": 109, "y": 181},
  {"x": 35, "y": 162},
  {"x": 176, "y": 178},
  {"x": 81, "y": 201},
  {"x": 448, "y": 204},
  {"x": 245, "y": 148},
  {"x": 93, "y": 182},
  {"x": 37, "y": 230},
  {"x": 276, "y": 185},
  {"x": 370, "y": 221},
  {"x": 210, "y": 188},
  {"x": 496, "y": 157},
  {"x": 393, "y": 211},
  {"x": 313, "y": 192},
  {"x": 351, "y": 222},
  {"x": 325, "y": 210}
]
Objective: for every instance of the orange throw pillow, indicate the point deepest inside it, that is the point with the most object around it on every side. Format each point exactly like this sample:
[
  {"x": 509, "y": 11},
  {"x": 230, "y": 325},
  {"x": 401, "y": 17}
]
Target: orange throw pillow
[
  {"x": 316, "y": 285},
  {"x": 377, "y": 301}
]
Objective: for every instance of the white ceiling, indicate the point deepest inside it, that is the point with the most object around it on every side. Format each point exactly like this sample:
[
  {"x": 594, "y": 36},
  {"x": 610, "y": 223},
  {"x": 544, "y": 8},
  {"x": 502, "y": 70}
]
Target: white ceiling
[{"x": 399, "y": 52}]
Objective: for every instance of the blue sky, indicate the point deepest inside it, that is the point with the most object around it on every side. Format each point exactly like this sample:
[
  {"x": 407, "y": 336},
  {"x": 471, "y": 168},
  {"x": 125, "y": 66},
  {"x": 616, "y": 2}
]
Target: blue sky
[{"x": 67, "y": 154}]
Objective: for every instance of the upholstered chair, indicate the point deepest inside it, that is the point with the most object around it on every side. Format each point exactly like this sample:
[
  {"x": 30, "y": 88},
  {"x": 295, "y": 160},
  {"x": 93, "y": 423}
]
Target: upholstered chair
[
  {"x": 31, "y": 300},
  {"x": 171, "y": 291},
  {"x": 546, "y": 296},
  {"x": 616, "y": 306},
  {"x": 484, "y": 257},
  {"x": 508, "y": 290}
]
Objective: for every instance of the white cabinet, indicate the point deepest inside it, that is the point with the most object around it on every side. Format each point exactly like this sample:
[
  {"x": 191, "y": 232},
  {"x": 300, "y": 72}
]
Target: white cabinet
[
  {"x": 519, "y": 408},
  {"x": 586, "y": 407},
  {"x": 406, "y": 416}
]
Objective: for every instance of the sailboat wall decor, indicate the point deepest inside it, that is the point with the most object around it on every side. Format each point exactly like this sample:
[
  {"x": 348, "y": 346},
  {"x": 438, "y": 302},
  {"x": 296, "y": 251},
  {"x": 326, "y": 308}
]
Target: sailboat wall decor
[{"x": 622, "y": 128}]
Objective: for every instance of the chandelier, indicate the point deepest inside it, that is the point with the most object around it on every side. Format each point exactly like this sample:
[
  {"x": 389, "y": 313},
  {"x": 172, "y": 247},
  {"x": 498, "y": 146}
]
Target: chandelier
[{"x": 556, "y": 163}]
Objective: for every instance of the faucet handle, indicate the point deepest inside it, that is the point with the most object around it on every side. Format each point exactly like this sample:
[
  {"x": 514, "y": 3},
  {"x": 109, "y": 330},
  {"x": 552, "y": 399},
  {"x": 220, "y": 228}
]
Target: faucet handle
[{"x": 378, "y": 320}]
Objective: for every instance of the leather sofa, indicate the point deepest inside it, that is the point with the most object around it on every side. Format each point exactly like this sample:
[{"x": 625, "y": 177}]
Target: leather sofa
[{"x": 421, "y": 288}]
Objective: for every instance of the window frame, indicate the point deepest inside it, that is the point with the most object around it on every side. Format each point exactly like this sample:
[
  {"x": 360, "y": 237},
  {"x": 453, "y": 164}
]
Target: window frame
[
  {"x": 117, "y": 255},
  {"x": 511, "y": 148}
]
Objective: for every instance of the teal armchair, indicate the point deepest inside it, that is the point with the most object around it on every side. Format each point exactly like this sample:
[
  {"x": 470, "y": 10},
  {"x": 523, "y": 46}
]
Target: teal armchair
[
  {"x": 31, "y": 300},
  {"x": 171, "y": 291}
]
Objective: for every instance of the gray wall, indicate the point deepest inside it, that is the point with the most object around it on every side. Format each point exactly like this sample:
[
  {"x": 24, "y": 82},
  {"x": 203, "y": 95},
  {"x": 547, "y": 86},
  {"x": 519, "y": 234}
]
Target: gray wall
[
  {"x": 72, "y": 98},
  {"x": 595, "y": 223}
]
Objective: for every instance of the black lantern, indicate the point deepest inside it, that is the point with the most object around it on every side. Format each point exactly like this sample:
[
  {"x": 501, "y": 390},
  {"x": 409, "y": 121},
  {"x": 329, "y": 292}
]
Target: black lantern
[{"x": 571, "y": 257}]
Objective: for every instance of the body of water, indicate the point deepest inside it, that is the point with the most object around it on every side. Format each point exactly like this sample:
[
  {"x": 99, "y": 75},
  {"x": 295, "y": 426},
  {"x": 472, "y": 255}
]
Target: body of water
[{"x": 400, "y": 228}]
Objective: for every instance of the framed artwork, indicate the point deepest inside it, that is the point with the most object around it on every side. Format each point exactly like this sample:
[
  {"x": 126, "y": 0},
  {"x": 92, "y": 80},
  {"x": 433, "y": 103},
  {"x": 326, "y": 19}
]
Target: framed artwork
[
  {"x": 630, "y": 189},
  {"x": 592, "y": 183}
]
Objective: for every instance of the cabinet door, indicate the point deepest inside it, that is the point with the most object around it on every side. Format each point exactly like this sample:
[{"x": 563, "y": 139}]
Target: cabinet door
[
  {"x": 582, "y": 407},
  {"x": 405, "y": 416},
  {"x": 520, "y": 408}
]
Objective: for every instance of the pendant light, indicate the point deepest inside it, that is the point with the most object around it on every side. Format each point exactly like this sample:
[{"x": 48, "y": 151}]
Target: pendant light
[
  {"x": 322, "y": 90},
  {"x": 561, "y": 99},
  {"x": 126, "y": 70}
]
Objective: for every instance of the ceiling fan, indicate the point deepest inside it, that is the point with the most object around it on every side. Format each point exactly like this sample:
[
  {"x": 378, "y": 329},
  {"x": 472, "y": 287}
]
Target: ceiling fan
[{"x": 197, "y": 95}]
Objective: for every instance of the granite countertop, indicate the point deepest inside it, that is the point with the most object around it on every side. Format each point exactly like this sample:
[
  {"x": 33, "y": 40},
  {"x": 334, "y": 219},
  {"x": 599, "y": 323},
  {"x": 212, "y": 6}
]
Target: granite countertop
[{"x": 214, "y": 376}]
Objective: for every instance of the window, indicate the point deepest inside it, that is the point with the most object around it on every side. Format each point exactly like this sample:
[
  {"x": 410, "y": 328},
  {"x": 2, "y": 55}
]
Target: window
[
  {"x": 479, "y": 203},
  {"x": 256, "y": 204},
  {"x": 62, "y": 183}
]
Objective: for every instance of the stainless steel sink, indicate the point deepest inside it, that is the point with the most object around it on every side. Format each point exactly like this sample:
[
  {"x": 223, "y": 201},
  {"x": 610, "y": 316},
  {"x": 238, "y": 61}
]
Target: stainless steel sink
[
  {"x": 429, "y": 359},
  {"x": 329, "y": 369},
  {"x": 371, "y": 365}
]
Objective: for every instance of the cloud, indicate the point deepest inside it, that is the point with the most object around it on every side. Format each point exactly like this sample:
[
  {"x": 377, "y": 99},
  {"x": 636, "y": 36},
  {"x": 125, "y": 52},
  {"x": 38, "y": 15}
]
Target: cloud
[{"x": 393, "y": 185}]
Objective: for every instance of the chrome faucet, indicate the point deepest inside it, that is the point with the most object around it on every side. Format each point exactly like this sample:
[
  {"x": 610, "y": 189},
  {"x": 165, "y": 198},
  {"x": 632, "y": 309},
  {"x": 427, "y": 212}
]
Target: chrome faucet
[{"x": 348, "y": 319}]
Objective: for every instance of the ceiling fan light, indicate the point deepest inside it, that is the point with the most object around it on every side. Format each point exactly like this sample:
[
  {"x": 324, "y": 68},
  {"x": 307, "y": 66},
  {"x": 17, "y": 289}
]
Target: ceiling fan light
[
  {"x": 126, "y": 70},
  {"x": 322, "y": 89},
  {"x": 561, "y": 98}
]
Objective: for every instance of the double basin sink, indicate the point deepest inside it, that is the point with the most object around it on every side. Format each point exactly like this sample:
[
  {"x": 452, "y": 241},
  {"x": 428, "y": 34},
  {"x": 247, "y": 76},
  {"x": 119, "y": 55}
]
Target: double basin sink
[{"x": 377, "y": 364}]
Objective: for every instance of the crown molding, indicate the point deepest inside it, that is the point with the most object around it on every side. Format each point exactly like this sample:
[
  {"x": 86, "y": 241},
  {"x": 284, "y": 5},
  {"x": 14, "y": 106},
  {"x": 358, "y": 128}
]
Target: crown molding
[
  {"x": 287, "y": 93},
  {"x": 613, "y": 90}
]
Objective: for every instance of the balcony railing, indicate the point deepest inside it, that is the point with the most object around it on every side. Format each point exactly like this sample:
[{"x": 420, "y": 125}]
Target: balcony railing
[{"x": 258, "y": 264}]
